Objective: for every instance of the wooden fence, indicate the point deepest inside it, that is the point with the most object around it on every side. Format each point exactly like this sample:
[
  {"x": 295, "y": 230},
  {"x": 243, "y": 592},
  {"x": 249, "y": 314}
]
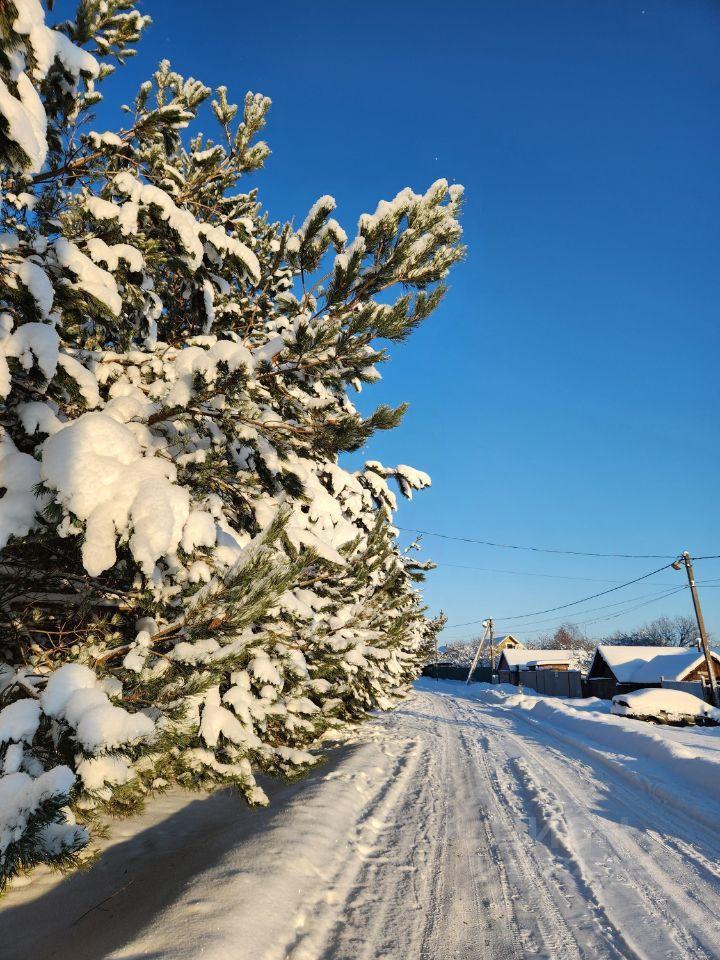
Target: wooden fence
[
  {"x": 696, "y": 687},
  {"x": 553, "y": 683},
  {"x": 447, "y": 671}
]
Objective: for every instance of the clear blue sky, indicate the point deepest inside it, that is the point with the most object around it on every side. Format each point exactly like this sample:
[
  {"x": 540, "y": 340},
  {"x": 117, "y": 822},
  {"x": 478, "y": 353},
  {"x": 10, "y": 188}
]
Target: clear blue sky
[{"x": 566, "y": 394}]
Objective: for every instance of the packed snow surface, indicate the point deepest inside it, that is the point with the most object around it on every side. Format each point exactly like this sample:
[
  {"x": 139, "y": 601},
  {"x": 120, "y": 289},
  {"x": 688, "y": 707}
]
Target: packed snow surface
[{"x": 472, "y": 822}]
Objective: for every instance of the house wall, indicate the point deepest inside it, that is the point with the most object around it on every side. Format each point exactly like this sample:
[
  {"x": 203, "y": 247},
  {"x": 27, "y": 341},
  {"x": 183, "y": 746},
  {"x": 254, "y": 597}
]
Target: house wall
[
  {"x": 701, "y": 672},
  {"x": 508, "y": 645},
  {"x": 600, "y": 682},
  {"x": 604, "y": 688},
  {"x": 599, "y": 668},
  {"x": 631, "y": 687},
  {"x": 502, "y": 665}
]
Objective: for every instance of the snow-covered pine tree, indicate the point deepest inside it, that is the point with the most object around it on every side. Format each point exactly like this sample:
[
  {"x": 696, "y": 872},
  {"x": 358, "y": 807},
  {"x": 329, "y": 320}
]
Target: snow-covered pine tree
[{"x": 192, "y": 588}]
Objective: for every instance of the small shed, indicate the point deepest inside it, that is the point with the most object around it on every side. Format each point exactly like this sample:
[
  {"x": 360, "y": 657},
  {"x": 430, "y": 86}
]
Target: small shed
[
  {"x": 618, "y": 669},
  {"x": 513, "y": 660}
]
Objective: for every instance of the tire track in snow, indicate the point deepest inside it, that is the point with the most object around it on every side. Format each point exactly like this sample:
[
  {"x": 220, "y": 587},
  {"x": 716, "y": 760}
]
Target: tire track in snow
[
  {"x": 474, "y": 917},
  {"x": 661, "y": 904},
  {"x": 635, "y": 846},
  {"x": 516, "y": 896},
  {"x": 537, "y": 802},
  {"x": 430, "y": 894},
  {"x": 383, "y": 907},
  {"x": 499, "y": 900},
  {"x": 428, "y": 851},
  {"x": 531, "y": 795},
  {"x": 666, "y": 902},
  {"x": 550, "y": 932},
  {"x": 695, "y": 901}
]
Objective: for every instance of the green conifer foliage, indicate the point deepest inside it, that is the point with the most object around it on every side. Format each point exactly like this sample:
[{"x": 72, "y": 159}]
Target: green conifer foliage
[{"x": 193, "y": 589}]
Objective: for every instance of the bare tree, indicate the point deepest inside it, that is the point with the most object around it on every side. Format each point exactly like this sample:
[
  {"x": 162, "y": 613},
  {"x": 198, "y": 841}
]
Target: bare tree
[
  {"x": 458, "y": 653},
  {"x": 568, "y": 636},
  {"x": 662, "y": 632}
]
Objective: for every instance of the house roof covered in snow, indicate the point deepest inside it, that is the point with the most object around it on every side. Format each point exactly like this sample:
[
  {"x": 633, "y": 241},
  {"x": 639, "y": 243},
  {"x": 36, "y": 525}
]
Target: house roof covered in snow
[
  {"x": 507, "y": 639},
  {"x": 520, "y": 657},
  {"x": 650, "y": 664}
]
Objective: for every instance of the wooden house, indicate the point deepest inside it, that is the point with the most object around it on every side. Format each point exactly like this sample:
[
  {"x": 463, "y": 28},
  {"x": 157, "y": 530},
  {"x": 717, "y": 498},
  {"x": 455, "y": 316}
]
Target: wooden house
[
  {"x": 508, "y": 642},
  {"x": 618, "y": 669},
  {"x": 513, "y": 660}
]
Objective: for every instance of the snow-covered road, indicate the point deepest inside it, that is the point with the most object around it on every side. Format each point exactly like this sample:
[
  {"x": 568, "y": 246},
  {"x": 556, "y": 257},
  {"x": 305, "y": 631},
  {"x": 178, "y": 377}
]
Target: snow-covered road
[{"x": 456, "y": 827}]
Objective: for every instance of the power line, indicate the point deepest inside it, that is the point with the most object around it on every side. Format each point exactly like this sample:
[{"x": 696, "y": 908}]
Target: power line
[
  {"x": 622, "y": 613},
  {"x": 614, "y": 616},
  {"x": 541, "y": 625},
  {"x": 570, "y": 553},
  {"x": 610, "y": 616},
  {"x": 524, "y": 573},
  {"x": 608, "y": 606},
  {"x": 573, "y": 603},
  {"x": 507, "y": 625}
]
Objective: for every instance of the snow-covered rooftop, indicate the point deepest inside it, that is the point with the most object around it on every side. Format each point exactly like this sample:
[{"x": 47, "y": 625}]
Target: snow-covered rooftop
[
  {"x": 507, "y": 636},
  {"x": 525, "y": 657},
  {"x": 650, "y": 664}
]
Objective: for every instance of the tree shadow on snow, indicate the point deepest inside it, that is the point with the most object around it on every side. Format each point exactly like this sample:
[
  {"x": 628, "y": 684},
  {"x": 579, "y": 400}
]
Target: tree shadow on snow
[{"x": 90, "y": 914}]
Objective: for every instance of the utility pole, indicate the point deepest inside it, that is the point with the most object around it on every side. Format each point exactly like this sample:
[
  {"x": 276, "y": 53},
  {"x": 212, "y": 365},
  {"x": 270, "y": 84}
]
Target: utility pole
[
  {"x": 492, "y": 648},
  {"x": 685, "y": 559},
  {"x": 478, "y": 652}
]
